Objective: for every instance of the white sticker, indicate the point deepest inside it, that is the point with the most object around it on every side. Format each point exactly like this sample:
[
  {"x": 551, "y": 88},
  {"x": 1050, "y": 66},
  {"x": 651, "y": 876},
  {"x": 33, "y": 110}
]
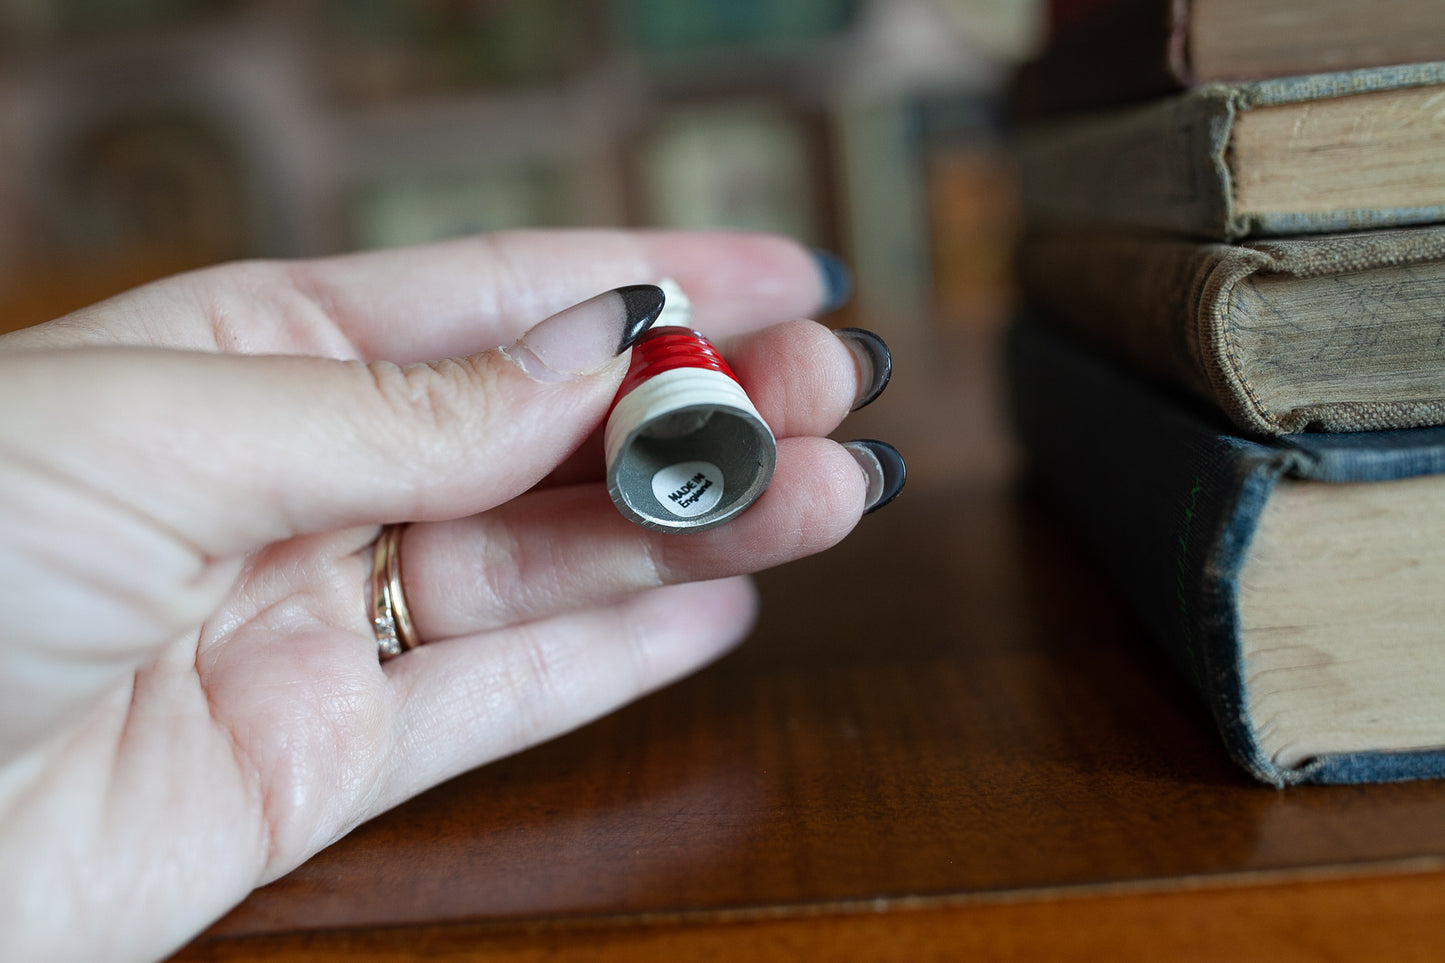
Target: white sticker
[{"x": 689, "y": 488}]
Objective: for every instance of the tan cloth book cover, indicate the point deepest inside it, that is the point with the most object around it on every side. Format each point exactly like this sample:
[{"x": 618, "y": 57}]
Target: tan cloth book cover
[
  {"x": 1329, "y": 333},
  {"x": 1343, "y": 151}
]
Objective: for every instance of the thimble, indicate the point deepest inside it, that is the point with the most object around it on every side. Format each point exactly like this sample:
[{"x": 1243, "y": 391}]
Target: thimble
[{"x": 686, "y": 448}]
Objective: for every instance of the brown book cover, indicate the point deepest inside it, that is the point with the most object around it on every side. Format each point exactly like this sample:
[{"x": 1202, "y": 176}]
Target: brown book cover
[{"x": 1125, "y": 51}]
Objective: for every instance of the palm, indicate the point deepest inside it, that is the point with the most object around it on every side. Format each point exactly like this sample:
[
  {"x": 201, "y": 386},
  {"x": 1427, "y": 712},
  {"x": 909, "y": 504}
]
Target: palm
[
  {"x": 289, "y": 687},
  {"x": 238, "y": 751}
]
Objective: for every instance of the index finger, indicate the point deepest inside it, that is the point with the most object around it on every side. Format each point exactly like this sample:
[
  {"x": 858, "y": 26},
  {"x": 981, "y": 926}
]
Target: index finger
[{"x": 454, "y": 297}]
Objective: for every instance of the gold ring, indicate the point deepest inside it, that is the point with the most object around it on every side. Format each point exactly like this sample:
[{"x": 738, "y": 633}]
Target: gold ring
[{"x": 390, "y": 617}]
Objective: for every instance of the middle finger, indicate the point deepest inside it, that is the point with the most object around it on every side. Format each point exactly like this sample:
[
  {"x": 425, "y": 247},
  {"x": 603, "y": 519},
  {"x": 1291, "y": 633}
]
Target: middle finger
[{"x": 803, "y": 377}]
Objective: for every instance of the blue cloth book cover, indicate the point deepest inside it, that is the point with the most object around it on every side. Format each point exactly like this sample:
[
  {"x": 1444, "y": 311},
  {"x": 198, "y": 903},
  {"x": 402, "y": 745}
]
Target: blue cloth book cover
[{"x": 1170, "y": 502}]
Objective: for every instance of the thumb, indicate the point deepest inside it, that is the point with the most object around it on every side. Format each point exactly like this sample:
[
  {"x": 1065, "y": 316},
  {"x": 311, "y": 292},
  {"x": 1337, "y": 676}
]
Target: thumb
[
  {"x": 231, "y": 452},
  {"x": 133, "y": 481}
]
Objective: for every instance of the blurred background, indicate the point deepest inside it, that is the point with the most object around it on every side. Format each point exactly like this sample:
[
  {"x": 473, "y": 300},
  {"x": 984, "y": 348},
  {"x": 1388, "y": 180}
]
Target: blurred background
[{"x": 143, "y": 137}]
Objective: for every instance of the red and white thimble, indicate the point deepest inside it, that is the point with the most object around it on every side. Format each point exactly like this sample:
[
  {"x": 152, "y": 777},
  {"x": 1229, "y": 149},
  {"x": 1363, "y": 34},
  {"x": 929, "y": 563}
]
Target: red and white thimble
[{"x": 686, "y": 448}]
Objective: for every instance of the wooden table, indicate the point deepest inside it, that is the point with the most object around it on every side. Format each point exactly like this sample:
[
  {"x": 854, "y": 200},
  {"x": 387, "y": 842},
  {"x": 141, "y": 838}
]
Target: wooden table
[{"x": 946, "y": 740}]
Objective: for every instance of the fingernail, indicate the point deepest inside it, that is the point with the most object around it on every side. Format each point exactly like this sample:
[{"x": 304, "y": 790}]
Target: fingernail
[
  {"x": 643, "y": 303},
  {"x": 837, "y": 279},
  {"x": 875, "y": 363},
  {"x": 883, "y": 468},
  {"x": 586, "y": 336}
]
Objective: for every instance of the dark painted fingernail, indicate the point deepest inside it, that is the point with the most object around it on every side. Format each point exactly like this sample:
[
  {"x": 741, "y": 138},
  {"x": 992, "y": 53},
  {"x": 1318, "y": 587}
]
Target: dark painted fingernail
[
  {"x": 587, "y": 336},
  {"x": 875, "y": 363},
  {"x": 644, "y": 302},
  {"x": 883, "y": 468},
  {"x": 837, "y": 280}
]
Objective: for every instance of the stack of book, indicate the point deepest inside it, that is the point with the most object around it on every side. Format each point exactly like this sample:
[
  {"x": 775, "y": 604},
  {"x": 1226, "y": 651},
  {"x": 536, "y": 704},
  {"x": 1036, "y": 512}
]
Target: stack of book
[{"x": 1231, "y": 378}]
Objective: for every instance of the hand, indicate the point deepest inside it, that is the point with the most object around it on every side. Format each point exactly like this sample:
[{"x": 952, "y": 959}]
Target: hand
[{"x": 192, "y": 474}]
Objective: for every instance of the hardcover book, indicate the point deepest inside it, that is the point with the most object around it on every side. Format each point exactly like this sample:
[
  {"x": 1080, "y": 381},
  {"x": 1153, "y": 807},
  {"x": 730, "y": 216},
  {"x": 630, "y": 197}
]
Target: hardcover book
[
  {"x": 742, "y": 164},
  {"x": 666, "y": 28},
  {"x": 1131, "y": 50},
  {"x": 1323, "y": 333},
  {"x": 416, "y": 207},
  {"x": 1297, "y": 583},
  {"x": 377, "y": 52},
  {"x": 1343, "y": 151}
]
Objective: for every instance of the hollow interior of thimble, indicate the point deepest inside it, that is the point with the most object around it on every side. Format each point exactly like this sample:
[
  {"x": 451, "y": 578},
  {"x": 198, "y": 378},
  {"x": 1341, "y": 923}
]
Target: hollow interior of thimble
[{"x": 692, "y": 468}]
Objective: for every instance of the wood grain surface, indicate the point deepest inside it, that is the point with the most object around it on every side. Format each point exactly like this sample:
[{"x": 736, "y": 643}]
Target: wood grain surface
[
  {"x": 1371, "y": 918},
  {"x": 945, "y": 736}
]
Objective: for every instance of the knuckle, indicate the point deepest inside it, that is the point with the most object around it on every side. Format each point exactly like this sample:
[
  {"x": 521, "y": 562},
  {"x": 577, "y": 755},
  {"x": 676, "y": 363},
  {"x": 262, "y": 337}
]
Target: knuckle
[{"x": 441, "y": 396}]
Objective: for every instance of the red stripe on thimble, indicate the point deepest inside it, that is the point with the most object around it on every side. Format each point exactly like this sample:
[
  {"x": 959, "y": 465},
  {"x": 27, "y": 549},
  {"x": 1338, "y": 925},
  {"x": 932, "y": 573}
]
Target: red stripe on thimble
[{"x": 663, "y": 349}]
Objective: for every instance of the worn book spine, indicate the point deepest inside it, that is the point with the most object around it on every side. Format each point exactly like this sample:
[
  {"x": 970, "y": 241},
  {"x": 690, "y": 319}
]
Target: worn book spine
[
  {"x": 1169, "y": 501},
  {"x": 1165, "y": 166},
  {"x": 1122, "y": 52},
  {"x": 1182, "y": 309}
]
